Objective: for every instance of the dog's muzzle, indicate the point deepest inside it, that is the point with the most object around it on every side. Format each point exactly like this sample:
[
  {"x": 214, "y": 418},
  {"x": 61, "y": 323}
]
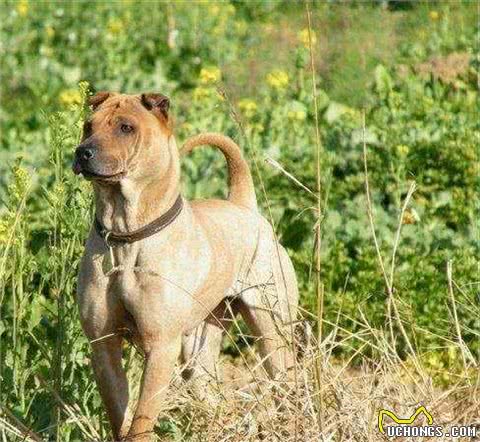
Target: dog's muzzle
[
  {"x": 84, "y": 156},
  {"x": 88, "y": 163}
]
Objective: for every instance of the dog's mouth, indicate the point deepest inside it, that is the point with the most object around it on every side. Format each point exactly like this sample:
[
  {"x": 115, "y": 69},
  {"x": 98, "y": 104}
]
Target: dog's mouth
[
  {"x": 96, "y": 176},
  {"x": 89, "y": 175}
]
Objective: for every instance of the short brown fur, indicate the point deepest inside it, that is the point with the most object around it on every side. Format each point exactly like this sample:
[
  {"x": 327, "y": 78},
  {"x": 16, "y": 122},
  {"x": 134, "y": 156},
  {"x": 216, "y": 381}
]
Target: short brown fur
[{"x": 171, "y": 290}]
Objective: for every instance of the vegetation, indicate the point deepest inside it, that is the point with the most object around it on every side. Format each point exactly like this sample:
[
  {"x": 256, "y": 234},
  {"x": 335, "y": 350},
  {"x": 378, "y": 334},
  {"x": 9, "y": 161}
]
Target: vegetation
[{"x": 405, "y": 335}]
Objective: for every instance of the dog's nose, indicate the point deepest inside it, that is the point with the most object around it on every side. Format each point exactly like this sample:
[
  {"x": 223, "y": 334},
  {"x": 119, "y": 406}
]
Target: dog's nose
[
  {"x": 88, "y": 154},
  {"x": 84, "y": 157},
  {"x": 85, "y": 152}
]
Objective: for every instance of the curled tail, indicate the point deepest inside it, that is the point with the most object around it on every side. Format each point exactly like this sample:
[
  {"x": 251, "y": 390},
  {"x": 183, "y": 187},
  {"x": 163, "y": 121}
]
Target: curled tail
[{"x": 240, "y": 183}]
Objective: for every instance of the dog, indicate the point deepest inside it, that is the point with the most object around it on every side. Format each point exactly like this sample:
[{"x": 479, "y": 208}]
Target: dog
[{"x": 166, "y": 272}]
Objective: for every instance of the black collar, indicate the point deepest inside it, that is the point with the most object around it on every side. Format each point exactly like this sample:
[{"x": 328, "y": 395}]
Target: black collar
[{"x": 111, "y": 237}]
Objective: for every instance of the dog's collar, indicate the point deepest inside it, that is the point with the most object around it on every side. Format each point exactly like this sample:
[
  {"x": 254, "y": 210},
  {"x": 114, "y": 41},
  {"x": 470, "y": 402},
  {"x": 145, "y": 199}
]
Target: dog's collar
[{"x": 111, "y": 237}]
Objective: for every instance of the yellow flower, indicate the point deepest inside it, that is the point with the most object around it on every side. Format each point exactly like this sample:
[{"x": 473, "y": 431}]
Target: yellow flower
[
  {"x": 296, "y": 111},
  {"x": 115, "y": 26},
  {"x": 248, "y": 107},
  {"x": 214, "y": 9},
  {"x": 434, "y": 15},
  {"x": 303, "y": 37},
  {"x": 22, "y": 8},
  {"x": 210, "y": 75},
  {"x": 50, "y": 31},
  {"x": 403, "y": 150},
  {"x": 277, "y": 79},
  {"x": 297, "y": 115},
  {"x": 200, "y": 93},
  {"x": 69, "y": 97}
]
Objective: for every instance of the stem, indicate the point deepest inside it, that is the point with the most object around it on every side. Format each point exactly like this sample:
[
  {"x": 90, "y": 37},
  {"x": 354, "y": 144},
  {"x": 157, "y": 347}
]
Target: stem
[{"x": 318, "y": 235}]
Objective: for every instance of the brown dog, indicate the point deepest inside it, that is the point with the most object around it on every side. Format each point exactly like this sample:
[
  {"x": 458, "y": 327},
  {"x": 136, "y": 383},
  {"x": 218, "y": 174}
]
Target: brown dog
[{"x": 164, "y": 268}]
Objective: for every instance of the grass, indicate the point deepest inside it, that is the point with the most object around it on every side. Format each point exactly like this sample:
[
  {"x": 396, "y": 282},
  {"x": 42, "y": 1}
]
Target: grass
[{"x": 370, "y": 180}]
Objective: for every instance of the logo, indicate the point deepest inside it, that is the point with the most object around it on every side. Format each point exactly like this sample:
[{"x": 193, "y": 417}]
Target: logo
[
  {"x": 398, "y": 420},
  {"x": 405, "y": 427}
]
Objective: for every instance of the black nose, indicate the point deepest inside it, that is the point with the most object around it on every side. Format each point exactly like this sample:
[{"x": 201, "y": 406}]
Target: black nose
[
  {"x": 88, "y": 154},
  {"x": 85, "y": 152}
]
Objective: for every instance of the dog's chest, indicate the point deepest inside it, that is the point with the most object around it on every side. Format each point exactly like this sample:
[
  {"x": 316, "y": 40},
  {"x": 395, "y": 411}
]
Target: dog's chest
[
  {"x": 137, "y": 273},
  {"x": 124, "y": 281}
]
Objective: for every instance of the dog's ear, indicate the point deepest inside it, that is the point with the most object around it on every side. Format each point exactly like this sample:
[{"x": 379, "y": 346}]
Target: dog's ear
[
  {"x": 157, "y": 103},
  {"x": 96, "y": 100}
]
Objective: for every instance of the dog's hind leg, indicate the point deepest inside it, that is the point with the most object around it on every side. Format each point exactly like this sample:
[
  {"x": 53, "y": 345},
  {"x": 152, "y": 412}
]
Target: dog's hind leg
[
  {"x": 270, "y": 307},
  {"x": 201, "y": 348}
]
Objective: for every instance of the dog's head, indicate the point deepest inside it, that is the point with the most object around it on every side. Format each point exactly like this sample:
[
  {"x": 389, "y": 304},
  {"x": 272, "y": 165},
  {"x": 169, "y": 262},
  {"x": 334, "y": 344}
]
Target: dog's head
[{"x": 126, "y": 135}]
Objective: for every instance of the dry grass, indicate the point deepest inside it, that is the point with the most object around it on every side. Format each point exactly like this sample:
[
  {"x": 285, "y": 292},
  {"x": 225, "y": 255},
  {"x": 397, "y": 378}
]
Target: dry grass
[
  {"x": 242, "y": 404},
  {"x": 248, "y": 406}
]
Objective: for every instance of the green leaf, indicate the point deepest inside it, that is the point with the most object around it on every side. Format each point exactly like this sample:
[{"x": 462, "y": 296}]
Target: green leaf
[
  {"x": 335, "y": 111},
  {"x": 383, "y": 81}
]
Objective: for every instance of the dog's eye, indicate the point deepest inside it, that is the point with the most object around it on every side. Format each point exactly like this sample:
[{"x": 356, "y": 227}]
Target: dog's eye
[{"x": 126, "y": 128}]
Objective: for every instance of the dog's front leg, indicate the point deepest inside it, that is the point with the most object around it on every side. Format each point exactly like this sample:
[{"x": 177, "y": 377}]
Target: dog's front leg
[
  {"x": 112, "y": 382},
  {"x": 159, "y": 364}
]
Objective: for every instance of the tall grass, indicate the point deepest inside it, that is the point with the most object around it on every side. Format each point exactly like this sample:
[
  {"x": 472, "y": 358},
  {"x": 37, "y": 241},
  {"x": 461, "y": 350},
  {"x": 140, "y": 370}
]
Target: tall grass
[
  {"x": 318, "y": 232},
  {"x": 43, "y": 377}
]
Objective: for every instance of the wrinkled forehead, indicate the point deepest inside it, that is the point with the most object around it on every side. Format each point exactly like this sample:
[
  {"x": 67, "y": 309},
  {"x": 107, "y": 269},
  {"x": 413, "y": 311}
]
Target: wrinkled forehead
[{"x": 124, "y": 107}]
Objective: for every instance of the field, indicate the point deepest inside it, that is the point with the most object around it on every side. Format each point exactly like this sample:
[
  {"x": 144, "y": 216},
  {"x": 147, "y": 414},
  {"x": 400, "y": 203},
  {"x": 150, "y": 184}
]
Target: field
[{"x": 360, "y": 123}]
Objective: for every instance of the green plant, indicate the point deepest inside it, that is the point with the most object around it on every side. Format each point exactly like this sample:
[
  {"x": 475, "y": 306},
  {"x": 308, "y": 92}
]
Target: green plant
[{"x": 225, "y": 75}]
